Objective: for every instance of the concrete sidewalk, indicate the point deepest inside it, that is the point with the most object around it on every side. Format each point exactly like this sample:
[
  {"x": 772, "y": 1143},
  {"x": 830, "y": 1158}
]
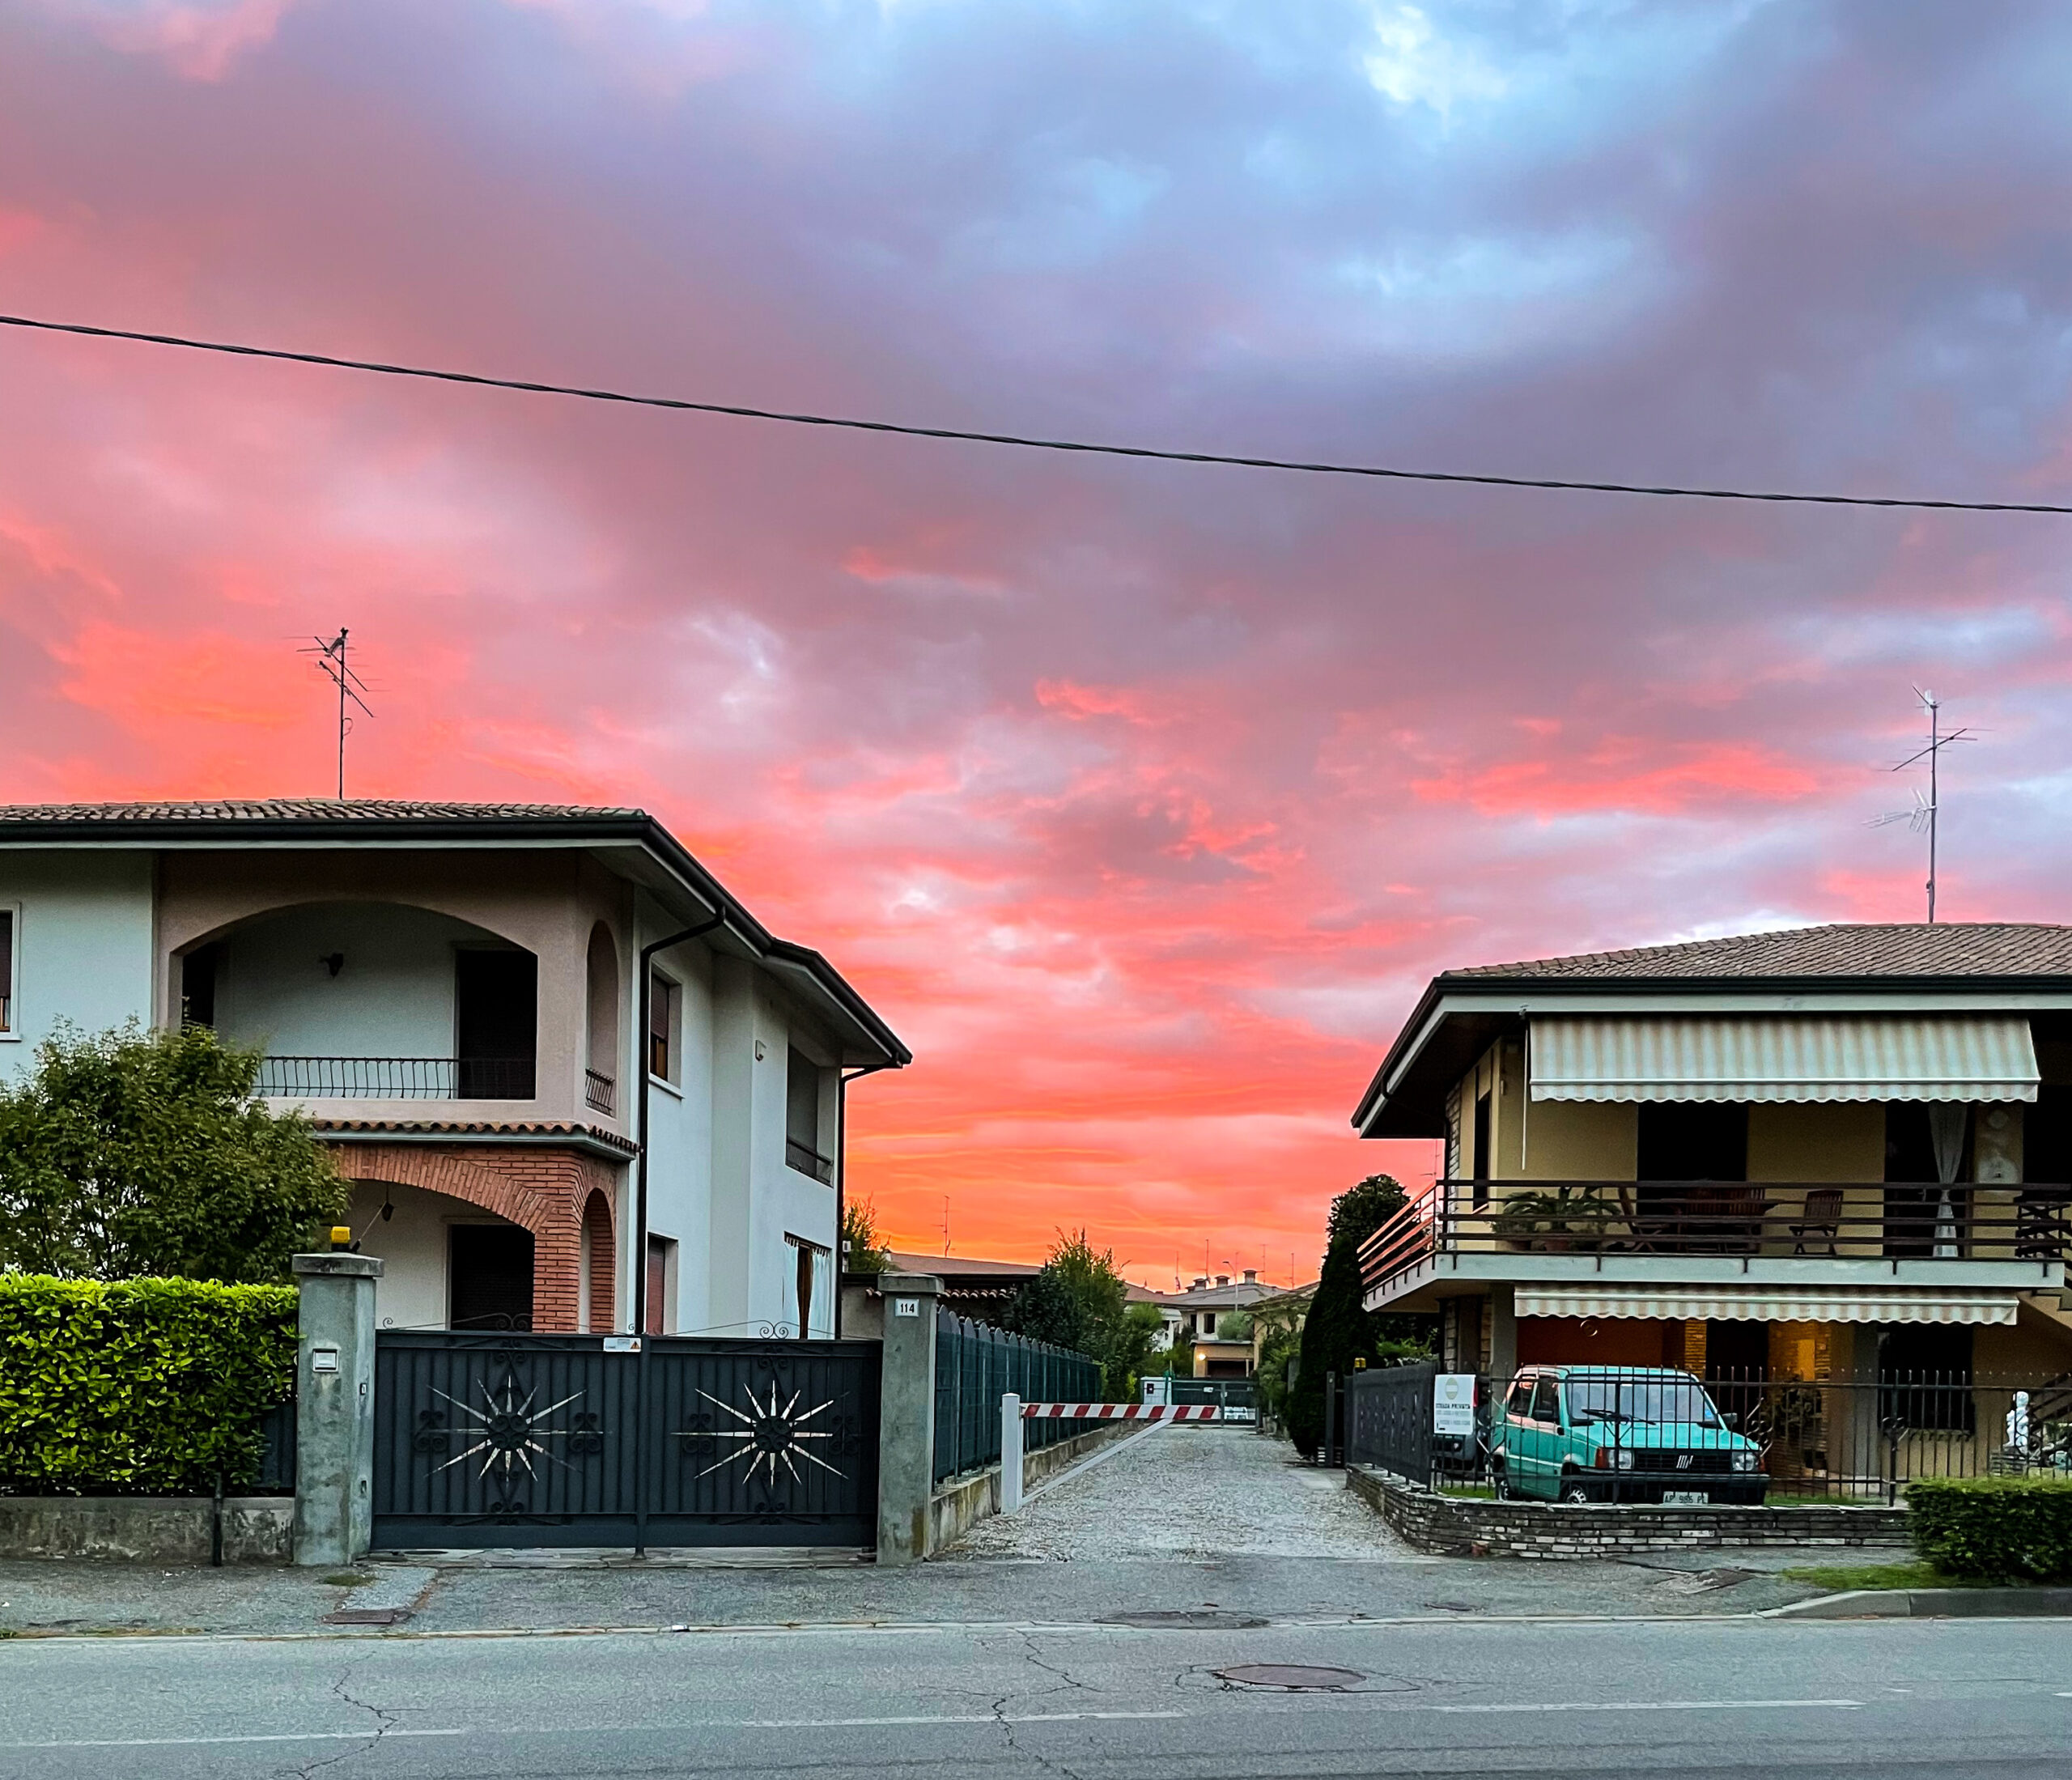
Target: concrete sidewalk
[{"x": 1213, "y": 1524}]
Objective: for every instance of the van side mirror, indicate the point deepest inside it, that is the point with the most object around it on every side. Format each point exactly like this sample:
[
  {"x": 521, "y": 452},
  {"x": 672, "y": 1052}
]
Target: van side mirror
[{"x": 1732, "y": 1418}]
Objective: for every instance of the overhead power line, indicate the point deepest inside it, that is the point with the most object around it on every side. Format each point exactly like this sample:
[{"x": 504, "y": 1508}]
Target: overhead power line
[{"x": 1026, "y": 441}]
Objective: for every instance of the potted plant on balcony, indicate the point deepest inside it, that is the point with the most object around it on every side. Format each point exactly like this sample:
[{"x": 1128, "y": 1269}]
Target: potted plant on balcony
[{"x": 1554, "y": 1223}]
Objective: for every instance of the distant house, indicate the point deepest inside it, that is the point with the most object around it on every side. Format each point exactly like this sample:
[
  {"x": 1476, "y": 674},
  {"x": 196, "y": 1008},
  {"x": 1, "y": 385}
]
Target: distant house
[
  {"x": 484, "y": 1009},
  {"x": 1836, "y": 1152},
  {"x": 982, "y": 1290},
  {"x": 1212, "y": 1315}
]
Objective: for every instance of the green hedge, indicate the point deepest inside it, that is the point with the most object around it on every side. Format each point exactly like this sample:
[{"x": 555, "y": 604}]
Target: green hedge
[
  {"x": 141, "y": 1387},
  {"x": 1994, "y": 1529}
]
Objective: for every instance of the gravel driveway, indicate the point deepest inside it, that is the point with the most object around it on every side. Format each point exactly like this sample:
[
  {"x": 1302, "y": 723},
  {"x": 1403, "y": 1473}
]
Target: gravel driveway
[{"x": 1189, "y": 1492}]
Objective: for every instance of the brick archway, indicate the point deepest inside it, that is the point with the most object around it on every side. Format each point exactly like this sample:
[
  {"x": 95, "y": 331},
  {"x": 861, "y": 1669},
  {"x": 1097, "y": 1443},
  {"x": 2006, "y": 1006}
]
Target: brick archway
[{"x": 547, "y": 1189}]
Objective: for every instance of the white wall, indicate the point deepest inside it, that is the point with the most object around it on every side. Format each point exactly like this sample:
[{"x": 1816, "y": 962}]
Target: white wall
[
  {"x": 82, "y": 945},
  {"x": 680, "y": 1142},
  {"x": 392, "y": 997},
  {"x": 411, "y": 1293}
]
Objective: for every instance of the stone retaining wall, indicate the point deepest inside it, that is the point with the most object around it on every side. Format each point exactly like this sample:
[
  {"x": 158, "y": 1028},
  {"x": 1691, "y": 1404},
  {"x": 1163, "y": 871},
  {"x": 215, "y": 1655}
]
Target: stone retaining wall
[
  {"x": 1466, "y": 1526},
  {"x": 146, "y": 1529}
]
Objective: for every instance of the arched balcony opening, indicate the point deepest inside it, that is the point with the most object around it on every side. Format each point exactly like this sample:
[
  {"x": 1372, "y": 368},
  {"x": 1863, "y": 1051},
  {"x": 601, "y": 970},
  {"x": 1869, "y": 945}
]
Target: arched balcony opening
[
  {"x": 600, "y": 1078},
  {"x": 371, "y": 1001}
]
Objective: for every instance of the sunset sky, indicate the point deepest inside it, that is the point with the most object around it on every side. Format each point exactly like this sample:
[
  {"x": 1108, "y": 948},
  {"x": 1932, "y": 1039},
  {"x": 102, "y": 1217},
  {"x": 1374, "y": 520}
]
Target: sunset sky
[{"x": 1141, "y": 799}]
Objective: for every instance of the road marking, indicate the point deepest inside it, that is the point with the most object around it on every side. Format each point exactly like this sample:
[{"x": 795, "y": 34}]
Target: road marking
[
  {"x": 973, "y": 1718},
  {"x": 1651, "y": 1705},
  {"x": 280, "y": 1737}
]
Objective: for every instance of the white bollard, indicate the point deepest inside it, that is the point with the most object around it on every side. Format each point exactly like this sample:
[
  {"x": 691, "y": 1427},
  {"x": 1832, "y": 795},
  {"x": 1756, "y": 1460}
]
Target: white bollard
[{"x": 1010, "y": 1454}]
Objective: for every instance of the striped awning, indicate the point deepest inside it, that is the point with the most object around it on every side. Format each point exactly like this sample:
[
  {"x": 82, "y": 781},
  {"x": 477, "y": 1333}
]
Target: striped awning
[
  {"x": 1780, "y": 1304},
  {"x": 1983, "y": 1057}
]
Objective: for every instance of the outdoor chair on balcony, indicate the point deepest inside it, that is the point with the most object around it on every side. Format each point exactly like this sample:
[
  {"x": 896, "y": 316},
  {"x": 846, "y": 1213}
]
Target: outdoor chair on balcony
[
  {"x": 1729, "y": 1219},
  {"x": 1818, "y": 1229},
  {"x": 2041, "y": 1226}
]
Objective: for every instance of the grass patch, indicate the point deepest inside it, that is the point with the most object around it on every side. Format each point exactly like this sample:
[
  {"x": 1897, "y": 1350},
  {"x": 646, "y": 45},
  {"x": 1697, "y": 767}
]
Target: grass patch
[
  {"x": 1841, "y": 1577},
  {"x": 347, "y": 1578}
]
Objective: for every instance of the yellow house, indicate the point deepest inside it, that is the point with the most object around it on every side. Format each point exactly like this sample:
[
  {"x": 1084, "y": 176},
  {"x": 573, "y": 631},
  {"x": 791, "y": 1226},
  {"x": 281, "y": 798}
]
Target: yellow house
[{"x": 1838, "y": 1153}]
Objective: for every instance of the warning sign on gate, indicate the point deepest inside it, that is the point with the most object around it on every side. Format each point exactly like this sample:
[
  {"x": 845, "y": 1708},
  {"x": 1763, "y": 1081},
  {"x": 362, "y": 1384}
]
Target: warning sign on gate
[{"x": 1453, "y": 1403}]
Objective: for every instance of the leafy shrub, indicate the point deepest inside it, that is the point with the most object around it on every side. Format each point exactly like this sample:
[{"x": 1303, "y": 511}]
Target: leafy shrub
[
  {"x": 141, "y": 1387},
  {"x": 129, "y": 1153},
  {"x": 1994, "y": 1529}
]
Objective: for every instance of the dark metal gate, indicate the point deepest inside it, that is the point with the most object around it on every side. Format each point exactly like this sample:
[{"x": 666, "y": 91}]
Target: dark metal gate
[{"x": 485, "y": 1439}]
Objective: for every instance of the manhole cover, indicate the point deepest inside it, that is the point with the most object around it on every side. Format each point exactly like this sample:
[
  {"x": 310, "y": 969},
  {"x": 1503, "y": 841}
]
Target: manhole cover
[
  {"x": 1290, "y": 1677},
  {"x": 1196, "y": 1619}
]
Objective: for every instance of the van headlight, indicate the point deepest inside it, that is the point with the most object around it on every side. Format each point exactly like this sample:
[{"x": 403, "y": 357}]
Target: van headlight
[{"x": 1744, "y": 1461}]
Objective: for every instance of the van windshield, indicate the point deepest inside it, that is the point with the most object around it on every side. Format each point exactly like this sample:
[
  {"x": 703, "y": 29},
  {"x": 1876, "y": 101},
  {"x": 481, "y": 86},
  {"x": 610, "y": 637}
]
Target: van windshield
[{"x": 1644, "y": 1400}]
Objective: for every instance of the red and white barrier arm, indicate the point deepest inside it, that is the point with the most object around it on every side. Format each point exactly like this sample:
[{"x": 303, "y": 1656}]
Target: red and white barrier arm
[{"x": 1118, "y": 1412}]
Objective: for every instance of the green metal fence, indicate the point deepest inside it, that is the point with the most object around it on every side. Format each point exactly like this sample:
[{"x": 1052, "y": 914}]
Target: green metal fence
[{"x": 977, "y": 1365}]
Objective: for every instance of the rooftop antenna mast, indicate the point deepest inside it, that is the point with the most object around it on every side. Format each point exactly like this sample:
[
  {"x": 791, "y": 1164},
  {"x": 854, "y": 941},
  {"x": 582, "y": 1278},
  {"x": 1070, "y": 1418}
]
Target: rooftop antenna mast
[
  {"x": 331, "y": 661},
  {"x": 1920, "y": 819}
]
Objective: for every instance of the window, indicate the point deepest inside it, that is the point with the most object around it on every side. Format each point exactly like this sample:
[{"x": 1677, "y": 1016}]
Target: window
[
  {"x": 660, "y": 1314},
  {"x": 199, "y": 971},
  {"x": 664, "y": 1027},
  {"x": 488, "y": 1282},
  {"x": 808, "y": 1295},
  {"x": 1695, "y": 1140},
  {"x": 7, "y": 970},
  {"x": 1545, "y": 1402},
  {"x": 1481, "y": 1151},
  {"x": 802, "y": 1149},
  {"x": 496, "y": 1019},
  {"x": 1520, "y": 1400}
]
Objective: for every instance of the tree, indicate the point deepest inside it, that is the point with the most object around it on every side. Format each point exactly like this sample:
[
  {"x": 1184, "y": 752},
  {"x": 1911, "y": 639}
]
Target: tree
[
  {"x": 1338, "y": 1330},
  {"x": 863, "y": 1244},
  {"x": 1078, "y": 1300},
  {"x": 128, "y": 1154}
]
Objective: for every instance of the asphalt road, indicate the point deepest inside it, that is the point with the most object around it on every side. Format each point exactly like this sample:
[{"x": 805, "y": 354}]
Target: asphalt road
[{"x": 1689, "y": 1698}]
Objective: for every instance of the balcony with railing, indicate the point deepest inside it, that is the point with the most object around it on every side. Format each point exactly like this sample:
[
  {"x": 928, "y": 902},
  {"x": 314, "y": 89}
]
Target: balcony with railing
[
  {"x": 396, "y": 1078},
  {"x": 1639, "y": 1229},
  {"x": 601, "y": 1092},
  {"x": 809, "y": 1161}
]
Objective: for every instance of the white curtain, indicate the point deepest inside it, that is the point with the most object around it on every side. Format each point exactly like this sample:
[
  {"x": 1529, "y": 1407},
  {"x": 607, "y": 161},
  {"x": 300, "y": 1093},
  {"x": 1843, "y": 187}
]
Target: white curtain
[{"x": 1947, "y": 1121}]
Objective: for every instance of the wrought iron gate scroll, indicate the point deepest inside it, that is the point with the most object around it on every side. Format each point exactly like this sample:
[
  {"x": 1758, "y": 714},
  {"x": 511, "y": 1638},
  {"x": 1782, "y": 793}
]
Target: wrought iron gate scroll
[{"x": 509, "y": 1439}]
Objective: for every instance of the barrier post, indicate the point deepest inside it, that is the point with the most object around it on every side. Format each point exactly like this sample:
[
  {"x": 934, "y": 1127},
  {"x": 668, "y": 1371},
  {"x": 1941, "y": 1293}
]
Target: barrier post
[{"x": 1010, "y": 1454}]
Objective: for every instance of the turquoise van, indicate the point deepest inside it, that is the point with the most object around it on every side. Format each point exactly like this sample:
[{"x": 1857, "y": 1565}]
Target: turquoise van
[{"x": 1621, "y": 1434}]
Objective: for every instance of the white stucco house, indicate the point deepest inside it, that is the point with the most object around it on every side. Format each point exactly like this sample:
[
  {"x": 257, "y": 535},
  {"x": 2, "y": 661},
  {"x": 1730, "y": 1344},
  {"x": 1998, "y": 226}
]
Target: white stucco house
[{"x": 568, "y": 1074}]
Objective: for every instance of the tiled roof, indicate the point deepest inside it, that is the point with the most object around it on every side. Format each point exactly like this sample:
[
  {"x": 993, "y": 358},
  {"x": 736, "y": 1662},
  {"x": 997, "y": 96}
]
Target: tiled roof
[
  {"x": 489, "y": 1131},
  {"x": 327, "y": 809},
  {"x": 1905, "y": 949}
]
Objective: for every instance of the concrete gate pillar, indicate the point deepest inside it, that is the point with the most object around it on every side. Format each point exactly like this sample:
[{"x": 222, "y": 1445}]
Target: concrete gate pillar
[
  {"x": 334, "y": 1408},
  {"x": 907, "y": 1416}
]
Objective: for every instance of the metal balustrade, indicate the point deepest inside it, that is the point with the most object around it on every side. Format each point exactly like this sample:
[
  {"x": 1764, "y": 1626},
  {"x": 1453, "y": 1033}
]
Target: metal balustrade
[
  {"x": 1828, "y": 1220},
  {"x": 395, "y": 1078},
  {"x": 600, "y": 1091}
]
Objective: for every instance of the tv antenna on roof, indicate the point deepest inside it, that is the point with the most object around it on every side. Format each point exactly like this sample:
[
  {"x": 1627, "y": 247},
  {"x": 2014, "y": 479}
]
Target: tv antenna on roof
[
  {"x": 331, "y": 661},
  {"x": 1920, "y": 819}
]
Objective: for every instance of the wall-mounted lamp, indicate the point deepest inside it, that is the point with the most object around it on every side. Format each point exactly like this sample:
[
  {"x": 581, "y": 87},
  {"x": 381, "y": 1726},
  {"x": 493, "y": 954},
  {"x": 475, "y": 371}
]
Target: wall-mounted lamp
[
  {"x": 760, "y": 1051},
  {"x": 333, "y": 963}
]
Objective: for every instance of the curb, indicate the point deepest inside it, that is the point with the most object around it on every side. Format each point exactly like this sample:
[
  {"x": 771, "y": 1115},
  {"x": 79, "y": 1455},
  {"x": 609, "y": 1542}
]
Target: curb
[{"x": 1932, "y": 1603}]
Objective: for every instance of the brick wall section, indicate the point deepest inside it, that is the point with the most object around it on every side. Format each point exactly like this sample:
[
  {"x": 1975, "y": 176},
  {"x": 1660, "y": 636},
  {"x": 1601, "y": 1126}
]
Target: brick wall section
[
  {"x": 598, "y": 1234},
  {"x": 1464, "y": 1527},
  {"x": 543, "y": 1187}
]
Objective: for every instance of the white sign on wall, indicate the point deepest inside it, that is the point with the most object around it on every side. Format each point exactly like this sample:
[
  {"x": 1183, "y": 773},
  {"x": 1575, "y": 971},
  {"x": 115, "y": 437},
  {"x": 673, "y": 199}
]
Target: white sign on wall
[{"x": 1453, "y": 1403}]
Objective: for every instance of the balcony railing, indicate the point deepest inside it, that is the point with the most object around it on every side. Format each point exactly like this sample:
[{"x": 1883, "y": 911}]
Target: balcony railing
[
  {"x": 600, "y": 1091},
  {"x": 396, "y": 1078},
  {"x": 1894, "y": 1221},
  {"x": 809, "y": 1161}
]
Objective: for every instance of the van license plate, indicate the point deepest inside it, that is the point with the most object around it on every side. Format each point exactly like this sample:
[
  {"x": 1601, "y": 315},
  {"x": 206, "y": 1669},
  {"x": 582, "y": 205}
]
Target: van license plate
[{"x": 1686, "y": 1498}]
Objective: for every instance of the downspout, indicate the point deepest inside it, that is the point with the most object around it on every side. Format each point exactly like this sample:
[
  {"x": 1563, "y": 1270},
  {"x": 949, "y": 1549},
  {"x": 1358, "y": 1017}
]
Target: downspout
[
  {"x": 842, "y": 1081},
  {"x": 639, "y": 1292}
]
